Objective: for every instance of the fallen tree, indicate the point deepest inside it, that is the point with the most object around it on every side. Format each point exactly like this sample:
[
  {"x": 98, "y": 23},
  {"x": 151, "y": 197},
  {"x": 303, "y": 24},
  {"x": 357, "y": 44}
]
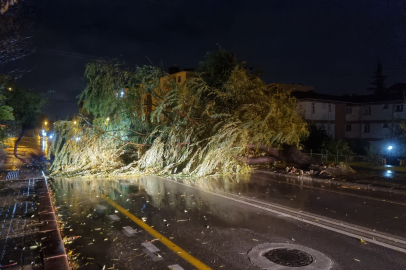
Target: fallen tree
[
  {"x": 287, "y": 153},
  {"x": 212, "y": 123}
]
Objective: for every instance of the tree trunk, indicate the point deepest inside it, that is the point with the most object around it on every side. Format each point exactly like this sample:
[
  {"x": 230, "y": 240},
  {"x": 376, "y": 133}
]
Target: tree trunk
[
  {"x": 289, "y": 154},
  {"x": 294, "y": 155},
  {"x": 265, "y": 148},
  {"x": 18, "y": 141},
  {"x": 258, "y": 160}
]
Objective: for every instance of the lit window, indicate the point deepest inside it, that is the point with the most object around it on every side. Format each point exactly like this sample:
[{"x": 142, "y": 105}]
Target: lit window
[
  {"x": 348, "y": 127},
  {"x": 366, "y": 128},
  {"x": 348, "y": 110},
  {"x": 384, "y": 125},
  {"x": 399, "y": 108},
  {"x": 367, "y": 111}
]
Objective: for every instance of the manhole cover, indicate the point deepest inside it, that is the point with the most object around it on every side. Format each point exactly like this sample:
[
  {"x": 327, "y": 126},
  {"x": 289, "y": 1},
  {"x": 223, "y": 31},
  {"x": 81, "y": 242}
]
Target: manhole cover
[{"x": 289, "y": 257}]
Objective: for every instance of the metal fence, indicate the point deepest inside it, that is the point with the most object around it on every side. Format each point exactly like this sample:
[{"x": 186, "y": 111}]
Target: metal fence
[{"x": 336, "y": 158}]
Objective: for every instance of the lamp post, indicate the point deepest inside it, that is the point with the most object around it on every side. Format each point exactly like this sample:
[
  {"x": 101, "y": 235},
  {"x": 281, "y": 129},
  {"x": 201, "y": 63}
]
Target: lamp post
[{"x": 390, "y": 147}]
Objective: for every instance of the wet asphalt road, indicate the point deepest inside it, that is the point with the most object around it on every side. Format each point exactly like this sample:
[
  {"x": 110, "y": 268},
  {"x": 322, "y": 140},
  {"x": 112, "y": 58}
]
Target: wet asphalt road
[{"x": 216, "y": 228}]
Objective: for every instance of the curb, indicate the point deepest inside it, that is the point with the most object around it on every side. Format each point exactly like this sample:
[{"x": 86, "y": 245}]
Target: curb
[
  {"x": 373, "y": 187},
  {"x": 54, "y": 253}
]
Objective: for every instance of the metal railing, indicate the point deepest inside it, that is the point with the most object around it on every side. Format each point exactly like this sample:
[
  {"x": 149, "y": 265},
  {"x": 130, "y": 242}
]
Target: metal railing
[{"x": 336, "y": 158}]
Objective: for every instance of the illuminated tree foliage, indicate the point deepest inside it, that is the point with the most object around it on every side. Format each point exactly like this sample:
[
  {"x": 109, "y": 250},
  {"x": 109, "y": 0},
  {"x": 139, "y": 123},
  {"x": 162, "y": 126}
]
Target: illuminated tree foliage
[
  {"x": 5, "y": 5},
  {"x": 161, "y": 127}
]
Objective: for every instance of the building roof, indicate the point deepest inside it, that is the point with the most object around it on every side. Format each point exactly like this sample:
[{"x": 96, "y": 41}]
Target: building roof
[{"x": 352, "y": 99}]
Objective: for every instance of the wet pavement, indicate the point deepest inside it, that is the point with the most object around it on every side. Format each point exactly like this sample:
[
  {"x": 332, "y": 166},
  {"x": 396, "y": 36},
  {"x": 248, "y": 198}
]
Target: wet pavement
[
  {"x": 28, "y": 234},
  {"x": 19, "y": 235},
  {"x": 213, "y": 221},
  {"x": 31, "y": 151}
]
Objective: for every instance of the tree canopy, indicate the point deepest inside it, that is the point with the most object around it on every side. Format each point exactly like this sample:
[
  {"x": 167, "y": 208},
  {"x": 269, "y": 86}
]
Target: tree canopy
[
  {"x": 25, "y": 105},
  {"x": 199, "y": 127},
  {"x": 378, "y": 83}
]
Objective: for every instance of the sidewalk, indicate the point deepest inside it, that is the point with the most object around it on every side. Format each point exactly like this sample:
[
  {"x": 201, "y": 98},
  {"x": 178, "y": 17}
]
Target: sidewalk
[
  {"x": 29, "y": 233},
  {"x": 19, "y": 232}
]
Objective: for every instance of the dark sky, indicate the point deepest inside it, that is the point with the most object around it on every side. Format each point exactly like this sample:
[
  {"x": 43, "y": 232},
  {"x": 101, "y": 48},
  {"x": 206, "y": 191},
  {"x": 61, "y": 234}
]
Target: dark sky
[{"x": 329, "y": 44}]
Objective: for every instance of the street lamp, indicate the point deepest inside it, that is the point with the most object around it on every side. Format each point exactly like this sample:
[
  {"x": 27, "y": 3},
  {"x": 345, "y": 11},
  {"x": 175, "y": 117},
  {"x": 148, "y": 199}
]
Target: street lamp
[
  {"x": 390, "y": 147},
  {"x": 45, "y": 123}
]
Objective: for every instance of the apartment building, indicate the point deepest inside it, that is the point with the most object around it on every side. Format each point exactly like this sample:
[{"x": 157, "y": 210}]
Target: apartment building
[{"x": 372, "y": 118}]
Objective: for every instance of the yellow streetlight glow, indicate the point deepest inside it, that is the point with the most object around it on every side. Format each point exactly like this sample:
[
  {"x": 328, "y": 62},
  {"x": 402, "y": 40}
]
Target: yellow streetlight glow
[
  {"x": 108, "y": 119},
  {"x": 46, "y": 123},
  {"x": 10, "y": 89},
  {"x": 74, "y": 122}
]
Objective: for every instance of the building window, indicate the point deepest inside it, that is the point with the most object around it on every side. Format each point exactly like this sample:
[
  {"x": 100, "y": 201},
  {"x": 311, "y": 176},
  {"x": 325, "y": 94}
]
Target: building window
[
  {"x": 324, "y": 105},
  {"x": 366, "y": 128},
  {"x": 313, "y": 107},
  {"x": 348, "y": 110},
  {"x": 384, "y": 125},
  {"x": 329, "y": 107},
  {"x": 179, "y": 79},
  {"x": 385, "y": 106},
  {"x": 348, "y": 127},
  {"x": 367, "y": 111},
  {"x": 399, "y": 108}
]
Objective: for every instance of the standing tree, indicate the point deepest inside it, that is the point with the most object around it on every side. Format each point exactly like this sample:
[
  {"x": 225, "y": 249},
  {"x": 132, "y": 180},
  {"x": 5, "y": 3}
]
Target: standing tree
[
  {"x": 26, "y": 107},
  {"x": 16, "y": 35},
  {"x": 379, "y": 81},
  {"x": 5, "y": 5}
]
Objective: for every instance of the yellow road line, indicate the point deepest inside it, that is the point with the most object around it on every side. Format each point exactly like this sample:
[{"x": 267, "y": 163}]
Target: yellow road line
[{"x": 178, "y": 250}]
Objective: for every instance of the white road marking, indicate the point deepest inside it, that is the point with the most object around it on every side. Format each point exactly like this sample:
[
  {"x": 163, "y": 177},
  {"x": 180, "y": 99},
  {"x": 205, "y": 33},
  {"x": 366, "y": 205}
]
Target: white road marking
[
  {"x": 113, "y": 217},
  {"x": 101, "y": 207},
  {"x": 150, "y": 247},
  {"x": 175, "y": 267},
  {"x": 129, "y": 231},
  {"x": 153, "y": 256},
  {"x": 381, "y": 239}
]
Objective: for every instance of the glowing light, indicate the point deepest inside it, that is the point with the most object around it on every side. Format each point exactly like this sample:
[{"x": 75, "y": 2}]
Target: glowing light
[
  {"x": 45, "y": 123},
  {"x": 108, "y": 119},
  {"x": 77, "y": 139},
  {"x": 51, "y": 136},
  {"x": 389, "y": 172},
  {"x": 390, "y": 147},
  {"x": 10, "y": 89},
  {"x": 74, "y": 122},
  {"x": 122, "y": 93}
]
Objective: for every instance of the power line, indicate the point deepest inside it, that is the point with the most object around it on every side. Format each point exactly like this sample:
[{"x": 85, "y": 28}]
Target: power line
[{"x": 68, "y": 54}]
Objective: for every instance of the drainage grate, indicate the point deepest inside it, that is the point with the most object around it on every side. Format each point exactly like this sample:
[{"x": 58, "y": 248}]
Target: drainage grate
[
  {"x": 289, "y": 257},
  {"x": 13, "y": 175}
]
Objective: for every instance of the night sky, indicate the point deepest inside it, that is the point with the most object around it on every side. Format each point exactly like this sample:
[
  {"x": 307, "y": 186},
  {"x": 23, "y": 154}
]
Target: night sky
[{"x": 332, "y": 45}]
